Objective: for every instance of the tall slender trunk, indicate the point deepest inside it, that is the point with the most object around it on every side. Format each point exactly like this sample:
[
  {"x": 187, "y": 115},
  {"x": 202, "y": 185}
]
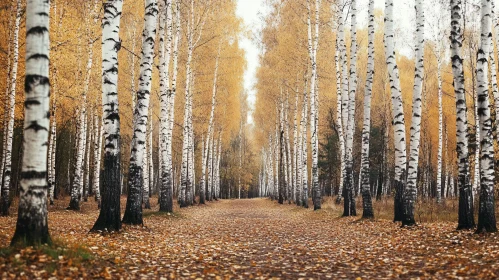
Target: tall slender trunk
[
  {"x": 6, "y": 101},
  {"x": 440, "y": 135},
  {"x": 218, "y": 158},
  {"x": 476, "y": 172},
  {"x": 304, "y": 154},
  {"x": 209, "y": 194},
  {"x": 5, "y": 193},
  {"x": 133, "y": 211},
  {"x": 240, "y": 156},
  {"x": 349, "y": 203},
  {"x": 410, "y": 192},
  {"x": 210, "y": 126},
  {"x": 466, "y": 219},
  {"x": 288, "y": 165},
  {"x": 145, "y": 183},
  {"x": 32, "y": 224},
  {"x": 109, "y": 216},
  {"x": 149, "y": 156},
  {"x": 366, "y": 130},
  {"x": 295, "y": 151},
  {"x": 398, "y": 114},
  {"x": 486, "y": 209},
  {"x": 339, "y": 94},
  {"x": 166, "y": 192},
  {"x": 86, "y": 187},
  {"x": 314, "y": 115},
  {"x": 97, "y": 157}
]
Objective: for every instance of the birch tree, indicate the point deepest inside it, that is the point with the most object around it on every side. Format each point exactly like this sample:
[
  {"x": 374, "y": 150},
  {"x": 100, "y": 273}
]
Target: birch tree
[
  {"x": 97, "y": 158},
  {"x": 314, "y": 116},
  {"x": 7, "y": 171},
  {"x": 32, "y": 224},
  {"x": 210, "y": 128},
  {"x": 398, "y": 113},
  {"x": 466, "y": 219},
  {"x": 77, "y": 187},
  {"x": 109, "y": 216},
  {"x": 133, "y": 211},
  {"x": 410, "y": 192},
  {"x": 348, "y": 195},
  {"x": 366, "y": 129},
  {"x": 486, "y": 209},
  {"x": 166, "y": 191}
]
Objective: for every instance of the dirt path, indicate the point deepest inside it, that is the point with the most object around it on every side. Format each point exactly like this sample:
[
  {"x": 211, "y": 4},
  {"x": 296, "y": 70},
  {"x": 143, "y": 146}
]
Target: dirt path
[{"x": 258, "y": 238}]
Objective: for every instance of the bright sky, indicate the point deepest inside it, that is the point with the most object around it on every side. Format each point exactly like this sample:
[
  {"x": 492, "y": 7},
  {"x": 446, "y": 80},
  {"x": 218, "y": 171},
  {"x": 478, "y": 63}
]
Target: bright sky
[{"x": 251, "y": 11}]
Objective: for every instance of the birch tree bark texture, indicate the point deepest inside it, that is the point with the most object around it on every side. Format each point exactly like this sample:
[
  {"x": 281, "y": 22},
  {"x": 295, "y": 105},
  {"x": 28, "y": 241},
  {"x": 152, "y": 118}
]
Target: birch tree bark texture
[
  {"x": 412, "y": 172},
  {"x": 7, "y": 171},
  {"x": 486, "y": 208},
  {"x": 109, "y": 217},
  {"x": 133, "y": 211},
  {"x": 367, "y": 206},
  {"x": 466, "y": 219},
  {"x": 398, "y": 113},
  {"x": 32, "y": 224}
]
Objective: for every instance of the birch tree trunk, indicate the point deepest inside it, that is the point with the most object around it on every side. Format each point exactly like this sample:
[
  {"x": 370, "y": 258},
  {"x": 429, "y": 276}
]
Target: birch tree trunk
[
  {"x": 7, "y": 172},
  {"x": 304, "y": 155},
  {"x": 97, "y": 158},
  {"x": 133, "y": 211},
  {"x": 217, "y": 167},
  {"x": 209, "y": 195},
  {"x": 6, "y": 102},
  {"x": 476, "y": 177},
  {"x": 295, "y": 150},
  {"x": 78, "y": 182},
  {"x": 486, "y": 209},
  {"x": 366, "y": 130},
  {"x": 149, "y": 156},
  {"x": 398, "y": 113},
  {"x": 314, "y": 116},
  {"x": 241, "y": 163},
  {"x": 349, "y": 203},
  {"x": 109, "y": 216},
  {"x": 145, "y": 184},
  {"x": 339, "y": 121},
  {"x": 86, "y": 187},
  {"x": 166, "y": 191},
  {"x": 32, "y": 224},
  {"x": 440, "y": 133},
  {"x": 466, "y": 219},
  {"x": 410, "y": 192},
  {"x": 210, "y": 127}
]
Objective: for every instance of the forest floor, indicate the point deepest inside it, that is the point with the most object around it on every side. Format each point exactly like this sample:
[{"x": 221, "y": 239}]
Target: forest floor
[{"x": 251, "y": 238}]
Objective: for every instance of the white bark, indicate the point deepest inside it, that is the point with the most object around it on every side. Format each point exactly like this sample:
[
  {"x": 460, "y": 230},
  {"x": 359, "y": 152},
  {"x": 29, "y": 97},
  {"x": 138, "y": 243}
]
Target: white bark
[
  {"x": 466, "y": 219},
  {"x": 109, "y": 218},
  {"x": 210, "y": 124},
  {"x": 486, "y": 210},
  {"x": 476, "y": 177},
  {"x": 97, "y": 157},
  {"x": 398, "y": 111},
  {"x": 7, "y": 171},
  {"x": 366, "y": 129},
  {"x": 440, "y": 133},
  {"x": 314, "y": 115},
  {"x": 32, "y": 225},
  {"x": 295, "y": 151},
  {"x": 410, "y": 193}
]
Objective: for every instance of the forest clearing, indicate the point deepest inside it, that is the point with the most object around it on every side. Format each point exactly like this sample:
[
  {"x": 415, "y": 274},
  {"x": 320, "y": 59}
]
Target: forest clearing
[
  {"x": 249, "y": 139},
  {"x": 257, "y": 238}
]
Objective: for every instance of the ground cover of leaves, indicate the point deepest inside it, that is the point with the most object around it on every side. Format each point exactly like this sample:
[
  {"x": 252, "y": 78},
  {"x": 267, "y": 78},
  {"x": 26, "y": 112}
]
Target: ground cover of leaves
[{"x": 252, "y": 238}]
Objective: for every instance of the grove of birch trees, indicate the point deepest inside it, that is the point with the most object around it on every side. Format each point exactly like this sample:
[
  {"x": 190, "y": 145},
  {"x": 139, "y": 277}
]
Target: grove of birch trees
[{"x": 349, "y": 108}]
